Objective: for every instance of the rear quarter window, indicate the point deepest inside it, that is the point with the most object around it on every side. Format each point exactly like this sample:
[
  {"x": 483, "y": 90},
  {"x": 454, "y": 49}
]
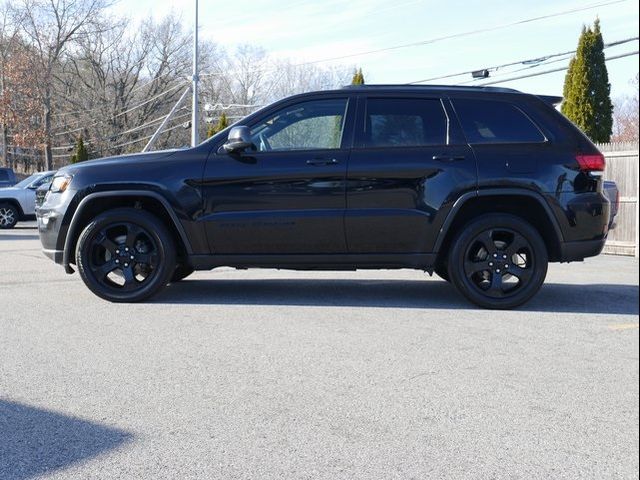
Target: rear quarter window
[
  {"x": 4, "y": 176},
  {"x": 491, "y": 121}
]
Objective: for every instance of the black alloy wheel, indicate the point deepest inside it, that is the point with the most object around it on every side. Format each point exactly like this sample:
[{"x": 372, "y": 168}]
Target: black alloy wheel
[
  {"x": 498, "y": 261},
  {"x": 125, "y": 255}
]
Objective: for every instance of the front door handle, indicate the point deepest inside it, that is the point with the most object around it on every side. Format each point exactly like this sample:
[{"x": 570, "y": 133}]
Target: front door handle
[
  {"x": 448, "y": 158},
  {"x": 316, "y": 162}
]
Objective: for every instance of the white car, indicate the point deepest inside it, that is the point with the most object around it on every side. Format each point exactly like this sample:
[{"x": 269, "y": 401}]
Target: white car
[{"x": 18, "y": 203}]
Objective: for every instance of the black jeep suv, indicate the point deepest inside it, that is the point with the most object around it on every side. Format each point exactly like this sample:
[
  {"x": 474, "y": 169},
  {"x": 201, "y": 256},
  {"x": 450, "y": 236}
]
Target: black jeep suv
[{"x": 483, "y": 186}]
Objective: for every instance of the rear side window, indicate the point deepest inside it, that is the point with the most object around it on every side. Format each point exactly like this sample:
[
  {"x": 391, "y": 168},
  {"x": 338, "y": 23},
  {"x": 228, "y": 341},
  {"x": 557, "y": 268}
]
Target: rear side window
[
  {"x": 393, "y": 122},
  {"x": 4, "y": 175},
  {"x": 487, "y": 121}
]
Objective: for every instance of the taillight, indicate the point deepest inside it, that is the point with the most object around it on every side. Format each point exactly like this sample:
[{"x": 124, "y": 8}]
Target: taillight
[{"x": 591, "y": 163}]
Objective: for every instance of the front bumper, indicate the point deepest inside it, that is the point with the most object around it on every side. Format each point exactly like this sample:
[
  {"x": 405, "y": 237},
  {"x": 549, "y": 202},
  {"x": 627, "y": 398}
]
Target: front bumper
[
  {"x": 53, "y": 226},
  {"x": 55, "y": 255}
]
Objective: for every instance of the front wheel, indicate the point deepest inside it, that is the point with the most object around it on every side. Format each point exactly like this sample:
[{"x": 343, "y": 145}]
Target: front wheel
[
  {"x": 498, "y": 261},
  {"x": 8, "y": 216},
  {"x": 125, "y": 255}
]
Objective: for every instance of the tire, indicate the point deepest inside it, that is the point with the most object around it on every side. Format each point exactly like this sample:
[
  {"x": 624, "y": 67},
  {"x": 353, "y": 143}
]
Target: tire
[
  {"x": 125, "y": 255},
  {"x": 181, "y": 272},
  {"x": 498, "y": 261},
  {"x": 8, "y": 216}
]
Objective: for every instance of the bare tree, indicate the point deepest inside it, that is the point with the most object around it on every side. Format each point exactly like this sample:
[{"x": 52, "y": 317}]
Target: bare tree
[
  {"x": 8, "y": 36},
  {"x": 625, "y": 117},
  {"x": 50, "y": 26}
]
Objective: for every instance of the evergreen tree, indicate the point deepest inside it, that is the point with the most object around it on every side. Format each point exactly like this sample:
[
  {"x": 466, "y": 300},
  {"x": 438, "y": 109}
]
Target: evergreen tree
[
  {"x": 223, "y": 123},
  {"x": 358, "y": 77},
  {"x": 587, "y": 101},
  {"x": 80, "y": 153}
]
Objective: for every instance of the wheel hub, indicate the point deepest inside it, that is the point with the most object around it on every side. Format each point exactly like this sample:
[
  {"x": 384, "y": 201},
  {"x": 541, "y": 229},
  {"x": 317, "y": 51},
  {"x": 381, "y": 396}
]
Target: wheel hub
[
  {"x": 124, "y": 255},
  {"x": 499, "y": 263}
]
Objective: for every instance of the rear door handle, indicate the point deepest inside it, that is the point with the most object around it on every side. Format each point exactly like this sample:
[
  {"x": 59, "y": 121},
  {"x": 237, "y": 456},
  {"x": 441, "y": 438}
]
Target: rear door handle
[
  {"x": 316, "y": 162},
  {"x": 448, "y": 158}
]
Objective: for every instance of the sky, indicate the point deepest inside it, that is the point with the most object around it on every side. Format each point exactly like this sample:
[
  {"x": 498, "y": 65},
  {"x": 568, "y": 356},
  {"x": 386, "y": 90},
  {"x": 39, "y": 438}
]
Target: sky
[{"x": 310, "y": 31}]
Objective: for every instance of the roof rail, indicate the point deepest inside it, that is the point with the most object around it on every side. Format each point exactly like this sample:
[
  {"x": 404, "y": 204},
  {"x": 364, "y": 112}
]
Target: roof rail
[{"x": 462, "y": 88}]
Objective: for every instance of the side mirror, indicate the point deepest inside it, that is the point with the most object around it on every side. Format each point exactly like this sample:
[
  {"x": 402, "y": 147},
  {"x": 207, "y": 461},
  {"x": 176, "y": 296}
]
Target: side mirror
[{"x": 239, "y": 139}]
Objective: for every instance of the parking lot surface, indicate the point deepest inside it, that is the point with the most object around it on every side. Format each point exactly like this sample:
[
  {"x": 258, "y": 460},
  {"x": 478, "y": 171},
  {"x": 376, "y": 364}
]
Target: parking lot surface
[{"x": 306, "y": 375}]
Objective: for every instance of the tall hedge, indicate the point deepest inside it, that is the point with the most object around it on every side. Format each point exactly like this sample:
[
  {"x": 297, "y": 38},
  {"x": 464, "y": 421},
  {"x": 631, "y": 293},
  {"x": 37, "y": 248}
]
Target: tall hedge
[
  {"x": 223, "y": 123},
  {"x": 358, "y": 77},
  {"x": 80, "y": 153},
  {"x": 587, "y": 100}
]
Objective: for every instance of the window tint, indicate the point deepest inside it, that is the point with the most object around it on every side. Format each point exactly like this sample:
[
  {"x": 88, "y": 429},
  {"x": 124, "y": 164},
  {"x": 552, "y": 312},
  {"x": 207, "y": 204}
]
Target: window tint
[
  {"x": 486, "y": 121},
  {"x": 316, "y": 124},
  {"x": 4, "y": 175},
  {"x": 393, "y": 122}
]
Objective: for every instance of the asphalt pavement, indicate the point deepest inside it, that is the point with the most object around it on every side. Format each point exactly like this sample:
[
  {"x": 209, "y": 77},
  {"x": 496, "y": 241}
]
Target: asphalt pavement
[{"x": 266, "y": 374}]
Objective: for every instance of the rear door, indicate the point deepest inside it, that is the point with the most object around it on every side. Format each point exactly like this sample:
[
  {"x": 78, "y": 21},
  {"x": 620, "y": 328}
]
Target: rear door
[{"x": 408, "y": 165}]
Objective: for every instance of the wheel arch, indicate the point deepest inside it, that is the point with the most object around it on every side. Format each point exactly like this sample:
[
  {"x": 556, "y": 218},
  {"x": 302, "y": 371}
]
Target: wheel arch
[
  {"x": 528, "y": 205},
  {"x": 98, "y": 202},
  {"x": 14, "y": 203}
]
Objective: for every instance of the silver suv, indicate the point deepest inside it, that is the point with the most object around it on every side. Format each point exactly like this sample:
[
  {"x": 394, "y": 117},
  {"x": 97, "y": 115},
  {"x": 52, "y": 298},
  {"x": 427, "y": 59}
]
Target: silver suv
[{"x": 19, "y": 202}]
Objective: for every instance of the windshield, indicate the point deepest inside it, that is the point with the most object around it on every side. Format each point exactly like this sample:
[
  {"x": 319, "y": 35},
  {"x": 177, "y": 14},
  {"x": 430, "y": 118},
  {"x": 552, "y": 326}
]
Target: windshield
[{"x": 28, "y": 181}]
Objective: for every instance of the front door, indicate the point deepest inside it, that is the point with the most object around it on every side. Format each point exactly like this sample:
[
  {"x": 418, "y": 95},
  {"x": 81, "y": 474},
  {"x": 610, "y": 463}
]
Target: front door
[{"x": 287, "y": 194}]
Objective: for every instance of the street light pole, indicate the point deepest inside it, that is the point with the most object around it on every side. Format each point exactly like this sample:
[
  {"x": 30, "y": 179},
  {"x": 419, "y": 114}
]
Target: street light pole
[{"x": 194, "y": 89}]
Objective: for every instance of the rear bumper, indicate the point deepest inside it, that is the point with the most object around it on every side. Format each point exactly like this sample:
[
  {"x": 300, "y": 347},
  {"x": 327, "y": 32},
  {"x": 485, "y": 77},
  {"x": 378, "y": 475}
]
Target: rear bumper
[{"x": 578, "y": 251}]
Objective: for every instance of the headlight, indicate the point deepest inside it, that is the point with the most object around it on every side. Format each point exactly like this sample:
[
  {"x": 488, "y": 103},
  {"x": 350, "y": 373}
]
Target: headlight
[{"x": 60, "y": 183}]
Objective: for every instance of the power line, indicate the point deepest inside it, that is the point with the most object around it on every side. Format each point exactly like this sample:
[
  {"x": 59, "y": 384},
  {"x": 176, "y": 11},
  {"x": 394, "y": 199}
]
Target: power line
[
  {"x": 449, "y": 37},
  {"x": 531, "y": 62},
  {"x": 135, "y": 107},
  {"x": 536, "y": 74}
]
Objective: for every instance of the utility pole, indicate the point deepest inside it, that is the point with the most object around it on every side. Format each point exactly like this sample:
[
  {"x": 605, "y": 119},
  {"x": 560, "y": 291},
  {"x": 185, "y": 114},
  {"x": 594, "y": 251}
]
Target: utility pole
[{"x": 194, "y": 89}]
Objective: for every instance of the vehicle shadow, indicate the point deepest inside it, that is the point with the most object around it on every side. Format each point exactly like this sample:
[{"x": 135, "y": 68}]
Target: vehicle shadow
[
  {"x": 553, "y": 297},
  {"x": 34, "y": 441}
]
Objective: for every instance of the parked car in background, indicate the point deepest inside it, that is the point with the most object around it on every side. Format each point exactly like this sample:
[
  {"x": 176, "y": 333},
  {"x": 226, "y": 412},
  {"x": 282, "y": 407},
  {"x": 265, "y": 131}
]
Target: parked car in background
[
  {"x": 482, "y": 185},
  {"x": 18, "y": 203},
  {"x": 41, "y": 193},
  {"x": 7, "y": 177}
]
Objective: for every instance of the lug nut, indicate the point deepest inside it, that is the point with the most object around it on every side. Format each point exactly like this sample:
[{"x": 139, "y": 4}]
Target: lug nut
[
  {"x": 497, "y": 270},
  {"x": 131, "y": 257},
  {"x": 504, "y": 256},
  {"x": 495, "y": 255},
  {"x": 126, "y": 249},
  {"x": 117, "y": 261},
  {"x": 491, "y": 264},
  {"x": 506, "y": 266},
  {"x": 117, "y": 252},
  {"x": 126, "y": 264}
]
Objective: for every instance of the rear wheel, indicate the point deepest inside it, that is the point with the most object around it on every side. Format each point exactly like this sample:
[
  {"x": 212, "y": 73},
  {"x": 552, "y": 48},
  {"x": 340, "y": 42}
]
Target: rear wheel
[
  {"x": 498, "y": 261},
  {"x": 125, "y": 255},
  {"x": 8, "y": 216}
]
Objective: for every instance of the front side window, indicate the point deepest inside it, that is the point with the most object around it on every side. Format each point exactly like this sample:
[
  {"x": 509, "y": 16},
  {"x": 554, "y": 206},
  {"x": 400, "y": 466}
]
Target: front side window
[
  {"x": 312, "y": 125},
  {"x": 489, "y": 121},
  {"x": 394, "y": 122}
]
